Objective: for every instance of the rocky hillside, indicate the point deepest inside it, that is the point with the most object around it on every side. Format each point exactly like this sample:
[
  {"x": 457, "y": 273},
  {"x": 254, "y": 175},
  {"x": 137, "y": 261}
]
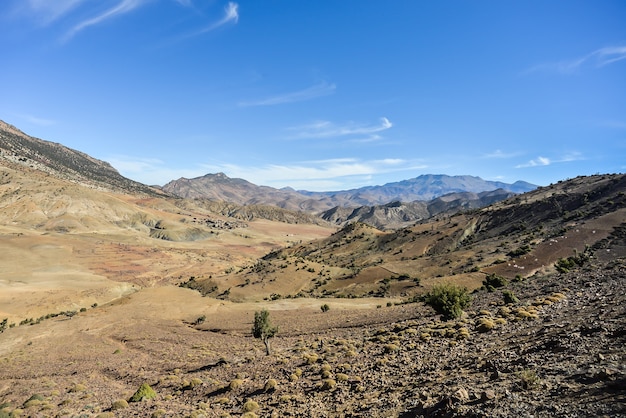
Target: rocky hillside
[
  {"x": 64, "y": 163},
  {"x": 397, "y": 214},
  {"x": 551, "y": 345},
  {"x": 521, "y": 236}
]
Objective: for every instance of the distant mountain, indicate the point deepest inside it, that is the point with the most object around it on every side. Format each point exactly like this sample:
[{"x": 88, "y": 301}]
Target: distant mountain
[
  {"x": 396, "y": 215},
  {"x": 423, "y": 188},
  {"x": 64, "y": 163}
]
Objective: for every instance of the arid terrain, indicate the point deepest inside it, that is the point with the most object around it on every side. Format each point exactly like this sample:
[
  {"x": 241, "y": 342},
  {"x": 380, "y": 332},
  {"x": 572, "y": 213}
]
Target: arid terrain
[{"x": 108, "y": 286}]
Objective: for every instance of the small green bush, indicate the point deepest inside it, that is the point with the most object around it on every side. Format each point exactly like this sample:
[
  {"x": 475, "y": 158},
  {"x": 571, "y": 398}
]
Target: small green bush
[
  {"x": 119, "y": 404},
  {"x": 493, "y": 280},
  {"x": 509, "y": 297},
  {"x": 250, "y": 406},
  {"x": 528, "y": 379},
  {"x": 448, "y": 299},
  {"x": 325, "y": 307},
  {"x": 145, "y": 392},
  {"x": 270, "y": 385},
  {"x": 329, "y": 384},
  {"x": 235, "y": 384}
]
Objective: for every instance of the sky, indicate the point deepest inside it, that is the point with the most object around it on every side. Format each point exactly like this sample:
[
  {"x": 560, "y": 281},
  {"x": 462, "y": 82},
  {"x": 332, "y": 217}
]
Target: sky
[{"x": 322, "y": 95}]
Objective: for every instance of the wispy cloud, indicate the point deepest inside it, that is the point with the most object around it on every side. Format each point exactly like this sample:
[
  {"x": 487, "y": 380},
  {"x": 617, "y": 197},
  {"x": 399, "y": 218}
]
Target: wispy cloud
[
  {"x": 320, "y": 175},
  {"x": 596, "y": 59},
  {"x": 231, "y": 14},
  {"x": 152, "y": 171},
  {"x": 47, "y": 11},
  {"x": 317, "y": 175},
  {"x": 539, "y": 161},
  {"x": 36, "y": 120},
  {"x": 326, "y": 129},
  {"x": 545, "y": 161},
  {"x": 499, "y": 154},
  {"x": 62, "y": 12},
  {"x": 122, "y": 7},
  {"x": 318, "y": 90}
]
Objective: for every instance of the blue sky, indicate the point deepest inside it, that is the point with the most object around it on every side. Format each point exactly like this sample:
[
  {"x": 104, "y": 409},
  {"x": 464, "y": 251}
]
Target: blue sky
[{"x": 322, "y": 95}]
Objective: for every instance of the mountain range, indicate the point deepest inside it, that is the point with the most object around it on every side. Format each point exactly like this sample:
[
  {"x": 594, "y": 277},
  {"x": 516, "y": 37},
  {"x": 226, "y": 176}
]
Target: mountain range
[
  {"x": 389, "y": 206},
  {"x": 422, "y": 188}
]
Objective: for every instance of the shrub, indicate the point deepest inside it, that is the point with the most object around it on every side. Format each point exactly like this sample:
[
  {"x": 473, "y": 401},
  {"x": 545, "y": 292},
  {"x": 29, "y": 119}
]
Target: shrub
[
  {"x": 145, "y": 392},
  {"x": 250, "y": 406},
  {"x": 390, "y": 348},
  {"x": 34, "y": 400},
  {"x": 485, "y": 325},
  {"x": 528, "y": 379},
  {"x": 270, "y": 385},
  {"x": 263, "y": 329},
  {"x": 311, "y": 358},
  {"x": 509, "y": 297},
  {"x": 329, "y": 384},
  {"x": 325, "y": 307},
  {"x": 448, "y": 299},
  {"x": 235, "y": 384},
  {"x": 563, "y": 265},
  {"x": 494, "y": 280},
  {"x": 342, "y": 377},
  {"x": 119, "y": 404},
  {"x": 462, "y": 333},
  {"x": 3, "y": 325}
]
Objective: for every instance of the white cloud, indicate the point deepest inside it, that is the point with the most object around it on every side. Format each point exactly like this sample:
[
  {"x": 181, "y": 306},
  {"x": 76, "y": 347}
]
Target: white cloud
[
  {"x": 597, "y": 59},
  {"x": 92, "y": 12},
  {"x": 499, "y": 154},
  {"x": 48, "y": 11},
  {"x": 318, "y": 175},
  {"x": 318, "y": 90},
  {"x": 544, "y": 161},
  {"x": 539, "y": 161},
  {"x": 231, "y": 14},
  {"x": 152, "y": 171},
  {"x": 124, "y": 6},
  {"x": 36, "y": 120},
  {"x": 326, "y": 129}
]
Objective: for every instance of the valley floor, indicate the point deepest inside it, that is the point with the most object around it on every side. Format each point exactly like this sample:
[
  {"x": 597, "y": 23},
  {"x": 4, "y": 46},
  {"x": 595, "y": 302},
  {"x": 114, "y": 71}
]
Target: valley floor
[{"x": 559, "y": 351}]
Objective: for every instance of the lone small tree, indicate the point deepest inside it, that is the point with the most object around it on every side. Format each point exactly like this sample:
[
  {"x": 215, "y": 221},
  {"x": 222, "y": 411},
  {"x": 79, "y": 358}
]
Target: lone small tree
[{"x": 263, "y": 328}]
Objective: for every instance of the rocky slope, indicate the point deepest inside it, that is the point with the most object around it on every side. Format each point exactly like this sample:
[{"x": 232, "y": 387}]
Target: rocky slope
[
  {"x": 558, "y": 351},
  {"x": 397, "y": 214},
  {"x": 64, "y": 163}
]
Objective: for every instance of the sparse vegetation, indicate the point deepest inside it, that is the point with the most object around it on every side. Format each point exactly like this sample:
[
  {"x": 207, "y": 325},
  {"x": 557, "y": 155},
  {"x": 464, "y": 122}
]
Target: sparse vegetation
[
  {"x": 528, "y": 379},
  {"x": 509, "y": 297},
  {"x": 325, "y": 307},
  {"x": 493, "y": 281},
  {"x": 563, "y": 265},
  {"x": 144, "y": 393},
  {"x": 263, "y": 328},
  {"x": 448, "y": 299}
]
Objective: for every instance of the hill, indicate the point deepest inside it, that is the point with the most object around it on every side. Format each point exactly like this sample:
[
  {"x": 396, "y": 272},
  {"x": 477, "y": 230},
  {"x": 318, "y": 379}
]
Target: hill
[
  {"x": 17, "y": 148},
  {"x": 396, "y": 214},
  {"x": 520, "y": 236}
]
